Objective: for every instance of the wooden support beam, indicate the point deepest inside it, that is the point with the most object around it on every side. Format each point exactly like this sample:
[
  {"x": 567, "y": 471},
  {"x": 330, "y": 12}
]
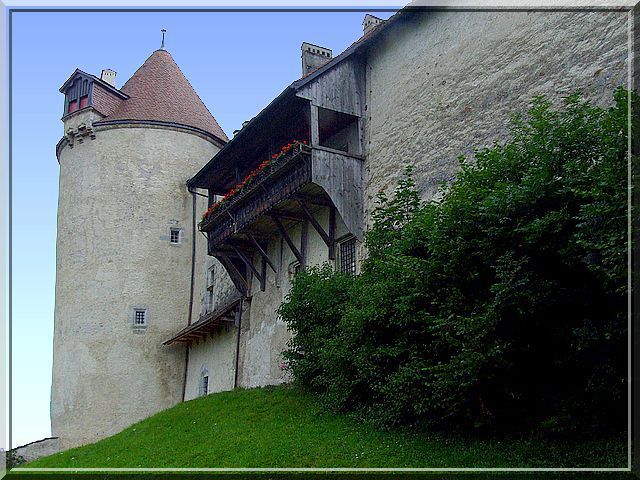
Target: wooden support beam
[
  {"x": 313, "y": 199},
  {"x": 248, "y": 263},
  {"x": 304, "y": 235},
  {"x": 261, "y": 236},
  {"x": 287, "y": 215},
  {"x": 263, "y": 272},
  {"x": 239, "y": 280},
  {"x": 287, "y": 239},
  {"x": 315, "y": 223},
  {"x": 332, "y": 233},
  {"x": 313, "y": 123},
  {"x": 261, "y": 251},
  {"x": 237, "y": 314},
  {"x": 239, "y": 243}
]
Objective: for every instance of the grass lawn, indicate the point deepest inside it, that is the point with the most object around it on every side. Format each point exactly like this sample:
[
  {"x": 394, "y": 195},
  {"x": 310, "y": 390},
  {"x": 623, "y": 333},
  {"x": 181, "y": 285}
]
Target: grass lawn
[{"x": 281, "y": 427}]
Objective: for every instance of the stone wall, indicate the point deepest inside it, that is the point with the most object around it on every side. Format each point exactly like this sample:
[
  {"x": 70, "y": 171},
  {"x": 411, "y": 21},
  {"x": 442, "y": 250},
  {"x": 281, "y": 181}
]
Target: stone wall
[
  {"x": 119, "y": 196},
  {"x": 40, "y": 448},
  {"x": 445, "y": 83},
  {"x": 440, "y": 84},
  {"x": 263, "y": 336},
  {"x": 214, "y": 357}
]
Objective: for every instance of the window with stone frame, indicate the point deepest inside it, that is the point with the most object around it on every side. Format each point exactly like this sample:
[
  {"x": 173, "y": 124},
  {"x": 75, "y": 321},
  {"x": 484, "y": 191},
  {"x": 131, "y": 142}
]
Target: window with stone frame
[
  {"x": 139, "y": 317},
  {"x": 174, "y": 235}
]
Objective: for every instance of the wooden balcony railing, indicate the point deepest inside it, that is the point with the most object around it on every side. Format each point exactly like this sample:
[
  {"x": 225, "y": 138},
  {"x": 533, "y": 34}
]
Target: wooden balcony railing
[
  {"x": 286, "y": 177},
  {"x": 299, "y": 184}
]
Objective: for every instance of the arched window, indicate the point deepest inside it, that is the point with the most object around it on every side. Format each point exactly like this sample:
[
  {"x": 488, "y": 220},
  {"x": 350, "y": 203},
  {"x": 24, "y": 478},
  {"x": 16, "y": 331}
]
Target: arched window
[{"x": 204, "y": 382}]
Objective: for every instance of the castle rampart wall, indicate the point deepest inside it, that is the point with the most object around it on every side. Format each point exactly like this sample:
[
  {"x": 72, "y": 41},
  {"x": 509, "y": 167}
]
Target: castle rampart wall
[{"x": 449, "y": 82}]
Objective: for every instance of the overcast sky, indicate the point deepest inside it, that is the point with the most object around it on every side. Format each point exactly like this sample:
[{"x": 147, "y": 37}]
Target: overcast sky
[{"x": 236, "y": 61}]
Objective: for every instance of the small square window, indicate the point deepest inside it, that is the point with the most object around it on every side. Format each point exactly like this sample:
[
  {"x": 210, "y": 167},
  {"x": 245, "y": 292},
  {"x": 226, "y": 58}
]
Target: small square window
[
  {"x": 174, "y": 236},
  {"x": 139, "y": 317}
]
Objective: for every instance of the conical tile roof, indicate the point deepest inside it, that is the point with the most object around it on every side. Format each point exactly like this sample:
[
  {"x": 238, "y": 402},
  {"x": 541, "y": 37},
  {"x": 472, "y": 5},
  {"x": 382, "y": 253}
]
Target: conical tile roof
[{"x": 159, "y": 92}]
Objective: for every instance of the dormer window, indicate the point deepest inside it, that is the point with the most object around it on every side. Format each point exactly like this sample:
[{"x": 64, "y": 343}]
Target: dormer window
[{"x": 78, "y": 95}]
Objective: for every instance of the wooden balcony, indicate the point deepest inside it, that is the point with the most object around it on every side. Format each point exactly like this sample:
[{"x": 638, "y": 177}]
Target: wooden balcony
[
  {"x": 287, "y": 177},
  {"x": 302, "y": 182}
]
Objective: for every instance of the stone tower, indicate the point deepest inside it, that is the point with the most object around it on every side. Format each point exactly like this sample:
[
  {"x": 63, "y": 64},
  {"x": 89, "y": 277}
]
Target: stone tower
[{"x": 125, "y": 245}]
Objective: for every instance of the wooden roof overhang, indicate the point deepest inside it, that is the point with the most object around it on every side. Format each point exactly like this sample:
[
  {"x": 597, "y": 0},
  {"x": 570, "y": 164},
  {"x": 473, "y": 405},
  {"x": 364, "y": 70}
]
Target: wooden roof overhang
[
  {"x": 251, "y": 143},
  {"x": 206, "y": 325},
  {"x": 285, "y": 119},
  {"x": 322, "y": 178}
]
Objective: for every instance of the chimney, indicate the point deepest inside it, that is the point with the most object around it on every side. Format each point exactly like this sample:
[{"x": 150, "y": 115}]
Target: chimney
[
  {"x": 370, "y": 22},
  {"x": 313, "y": 57},
  {"x": 108, "y": 76}
]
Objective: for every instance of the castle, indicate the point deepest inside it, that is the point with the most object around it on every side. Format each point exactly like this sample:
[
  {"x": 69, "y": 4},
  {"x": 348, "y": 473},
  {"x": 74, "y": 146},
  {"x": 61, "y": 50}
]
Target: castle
[{"x": 177, "y": 244}]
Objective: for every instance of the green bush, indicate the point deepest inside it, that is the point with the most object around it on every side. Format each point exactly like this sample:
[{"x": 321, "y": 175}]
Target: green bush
[
  {"x": 500, "y": 307},
  {"x": 13, "y": 460}
]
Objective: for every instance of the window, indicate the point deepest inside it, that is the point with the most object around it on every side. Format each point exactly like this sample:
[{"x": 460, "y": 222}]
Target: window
[
  {"x": 338, "y": 131},
  {"x": 209, "y": 297},
  {"x": 205, "y": 385},
  {"x": 174, "y": 236},
  {"x": 78, "y": 95},
  {"x": 348, "y": 256},
  {"x": 204, "y": 382},
  {"x": 139, "y": 317},
  {"x": 294, "y": 267}
]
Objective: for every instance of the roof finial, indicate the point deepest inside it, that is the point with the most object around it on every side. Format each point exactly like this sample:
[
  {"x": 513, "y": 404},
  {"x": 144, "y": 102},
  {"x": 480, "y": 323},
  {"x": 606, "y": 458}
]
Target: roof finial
[{"x": 164, "y": 30}]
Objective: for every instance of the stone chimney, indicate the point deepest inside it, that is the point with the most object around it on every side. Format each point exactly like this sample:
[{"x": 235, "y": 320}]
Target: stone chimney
[
  {"x": 108, "y": 76},
  {"x": 313, "y": 57},
  {"x": 370, "y": 22}
]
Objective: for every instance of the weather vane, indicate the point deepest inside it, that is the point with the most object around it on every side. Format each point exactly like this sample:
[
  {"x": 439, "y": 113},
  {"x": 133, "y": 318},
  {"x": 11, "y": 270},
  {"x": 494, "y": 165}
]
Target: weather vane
[{"x": 164, "y": 30}]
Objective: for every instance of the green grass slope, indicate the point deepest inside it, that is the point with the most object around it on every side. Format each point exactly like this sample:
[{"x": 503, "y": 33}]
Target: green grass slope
[{"x": 281, "y": 427}]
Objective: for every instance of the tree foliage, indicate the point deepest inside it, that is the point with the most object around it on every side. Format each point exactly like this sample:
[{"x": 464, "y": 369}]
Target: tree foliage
[{"x": 501, "y": 306}]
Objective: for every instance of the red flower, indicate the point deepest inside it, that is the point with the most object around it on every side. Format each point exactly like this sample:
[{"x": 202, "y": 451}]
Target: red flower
[{"x": 262, "y": 167}]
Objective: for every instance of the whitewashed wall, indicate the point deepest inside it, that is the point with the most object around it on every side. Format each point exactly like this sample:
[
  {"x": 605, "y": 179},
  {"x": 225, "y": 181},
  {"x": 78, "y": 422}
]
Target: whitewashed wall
[{"x": 119, "y": 196}]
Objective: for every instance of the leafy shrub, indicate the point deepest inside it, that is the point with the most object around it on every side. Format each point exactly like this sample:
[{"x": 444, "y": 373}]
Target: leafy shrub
[
  {"x": 502, "y": 306},
  {"x": 13, "y": 460}
]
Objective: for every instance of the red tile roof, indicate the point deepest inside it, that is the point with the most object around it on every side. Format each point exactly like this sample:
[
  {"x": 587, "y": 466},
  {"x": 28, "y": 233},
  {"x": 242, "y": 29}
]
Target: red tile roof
[
  {"x": 159, "y": 92},
  {"x": 104, "y": 101}
]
